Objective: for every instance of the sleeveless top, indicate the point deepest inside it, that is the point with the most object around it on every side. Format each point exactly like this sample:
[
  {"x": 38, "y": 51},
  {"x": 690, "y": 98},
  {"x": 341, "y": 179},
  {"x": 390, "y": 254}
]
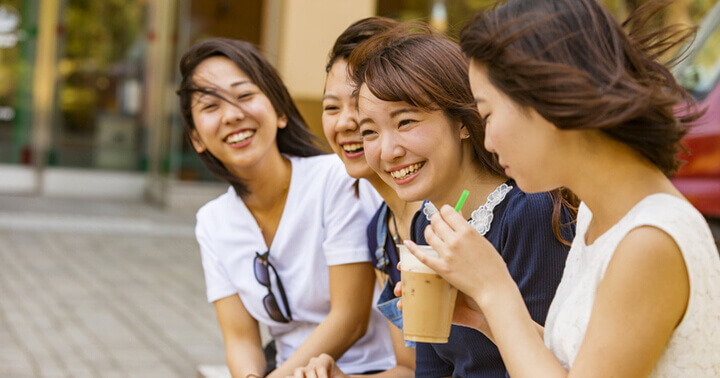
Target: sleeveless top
[{"x": 694, "y": 347}]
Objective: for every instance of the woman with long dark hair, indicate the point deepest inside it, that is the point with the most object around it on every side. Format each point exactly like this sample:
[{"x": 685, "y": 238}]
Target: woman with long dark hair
[
  {"x": 286, "y": 244},
  {"x": 571, "y": 99}
]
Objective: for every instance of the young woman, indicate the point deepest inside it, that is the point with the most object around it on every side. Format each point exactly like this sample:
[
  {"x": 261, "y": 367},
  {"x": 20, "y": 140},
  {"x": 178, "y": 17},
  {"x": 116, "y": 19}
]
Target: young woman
[
  {"x": 287, "y": 242},
  {"x": 391, "y": 222},
  {"x": 573, "y": 100},
  {"x": 423, "y": 136}
]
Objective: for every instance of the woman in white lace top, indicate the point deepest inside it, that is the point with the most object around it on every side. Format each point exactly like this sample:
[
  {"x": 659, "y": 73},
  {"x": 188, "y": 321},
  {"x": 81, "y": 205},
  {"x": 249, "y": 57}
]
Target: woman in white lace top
[{"x": 574, "y": 100}]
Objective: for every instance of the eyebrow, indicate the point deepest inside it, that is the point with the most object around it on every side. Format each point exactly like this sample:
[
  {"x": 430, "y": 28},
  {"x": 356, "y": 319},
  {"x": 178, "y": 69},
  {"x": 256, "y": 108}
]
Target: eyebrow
[
  {"x": 397, "y": 112},
  {"x": 479, "y": 100},
  {"x": 330, "y": 96},
  {"x": 239, "y": 83},
  {"x": 364, "y": 121}
]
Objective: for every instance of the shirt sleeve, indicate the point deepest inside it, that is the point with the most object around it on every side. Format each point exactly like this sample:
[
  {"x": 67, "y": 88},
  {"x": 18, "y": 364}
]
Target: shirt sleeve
[
  {"x": 345, "y": 220},
  {"x": 534, "y": 256},
  {"x": 218, "y": 284}
]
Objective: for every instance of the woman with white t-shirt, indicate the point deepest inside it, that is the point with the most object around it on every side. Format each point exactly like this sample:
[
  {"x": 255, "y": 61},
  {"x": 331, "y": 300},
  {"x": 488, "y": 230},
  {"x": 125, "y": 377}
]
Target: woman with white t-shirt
[
  {"x": 573, "y": 99},
  {"x": 286, "y": 243}
]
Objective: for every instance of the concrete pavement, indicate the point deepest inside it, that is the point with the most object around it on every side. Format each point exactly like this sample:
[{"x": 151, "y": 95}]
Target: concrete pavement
[{"x": 101, "y": 289}]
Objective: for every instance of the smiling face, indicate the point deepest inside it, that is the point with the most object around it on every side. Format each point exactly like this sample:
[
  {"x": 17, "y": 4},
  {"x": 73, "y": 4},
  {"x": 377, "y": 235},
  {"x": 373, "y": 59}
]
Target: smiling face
[
  {"x": 528, "y": 146},
  {"x": 240, "y": 129},
  {"x": 339, "y": 119},
  {"x": 417, "y": 152}
]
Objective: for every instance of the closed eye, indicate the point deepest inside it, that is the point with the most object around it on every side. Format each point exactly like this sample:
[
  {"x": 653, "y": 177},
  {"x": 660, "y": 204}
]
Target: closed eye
[
  {"x": 366, "y": 133},
  {"x": 406, "y": 122}
]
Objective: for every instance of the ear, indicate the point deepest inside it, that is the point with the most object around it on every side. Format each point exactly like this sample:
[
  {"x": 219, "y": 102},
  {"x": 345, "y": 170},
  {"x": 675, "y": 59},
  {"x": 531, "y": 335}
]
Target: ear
[
  {"x": 282, "y": 121},
  {"x": 464, "y": 133},
  {"x": 197, "y": 143}
]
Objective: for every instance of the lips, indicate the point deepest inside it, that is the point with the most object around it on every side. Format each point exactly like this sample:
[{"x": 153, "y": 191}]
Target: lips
[
  {"x": 352, "y": 149},
  {"x": 405, "y": 172},
  {"x": 239, "y": 137}
]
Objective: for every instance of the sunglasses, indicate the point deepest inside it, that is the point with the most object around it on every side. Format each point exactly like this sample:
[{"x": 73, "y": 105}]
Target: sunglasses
[{"x": 262, "y": 274}]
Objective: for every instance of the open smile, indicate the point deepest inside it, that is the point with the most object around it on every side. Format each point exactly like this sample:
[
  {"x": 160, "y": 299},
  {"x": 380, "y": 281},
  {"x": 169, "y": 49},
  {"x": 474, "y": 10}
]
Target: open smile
[
  {"x": 403, "y": 175},
  {"x": 352, "y": 149},
  {"x": 240, "y": 138}
]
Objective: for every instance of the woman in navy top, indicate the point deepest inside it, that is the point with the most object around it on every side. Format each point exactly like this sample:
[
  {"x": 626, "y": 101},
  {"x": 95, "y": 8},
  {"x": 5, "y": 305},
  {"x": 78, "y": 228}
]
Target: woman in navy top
[
  {"x": 521, "y": 230},
  {"x": 423, "y": 136}
]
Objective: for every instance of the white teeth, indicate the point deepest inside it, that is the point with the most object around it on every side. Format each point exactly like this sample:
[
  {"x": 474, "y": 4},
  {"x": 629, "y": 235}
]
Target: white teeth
[
  {"x": 407, "y": 171},
  {"x": 352, "y": 147},
  {"x": 240, "y": 137}
]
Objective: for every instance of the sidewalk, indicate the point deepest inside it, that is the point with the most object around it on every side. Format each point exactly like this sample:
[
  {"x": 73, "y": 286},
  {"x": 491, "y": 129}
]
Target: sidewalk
[{"x": 101, "y": 289}]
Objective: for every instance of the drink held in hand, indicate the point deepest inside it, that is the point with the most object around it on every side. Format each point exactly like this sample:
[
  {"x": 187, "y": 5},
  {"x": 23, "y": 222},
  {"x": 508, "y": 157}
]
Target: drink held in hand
[{"x": 428, "y": 300}]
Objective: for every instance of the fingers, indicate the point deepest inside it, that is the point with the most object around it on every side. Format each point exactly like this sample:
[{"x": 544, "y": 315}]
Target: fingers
[
  {"x": 454, "y": 219},
  {"x": 433, "y": 263},
  {"x": 398, "y": 289}
]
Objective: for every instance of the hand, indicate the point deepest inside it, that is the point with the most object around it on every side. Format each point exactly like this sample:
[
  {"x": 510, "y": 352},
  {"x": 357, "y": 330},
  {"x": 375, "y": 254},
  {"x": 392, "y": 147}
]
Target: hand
[
  {"x": 466, "y": 259},
  {"x": 468, "y": 314},
  {"x": 398, "y": 292},
  {"x": 322, "y": 366}
]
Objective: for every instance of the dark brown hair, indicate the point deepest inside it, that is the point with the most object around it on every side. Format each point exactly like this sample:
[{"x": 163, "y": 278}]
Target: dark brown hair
[
  {"x": 411, "y": 63},
  {"x": 414, "y": 64},
  {"x": 294, "y": 139},
  {"x": 574, "y": 64},
  {"x": 357, "y": 33}
]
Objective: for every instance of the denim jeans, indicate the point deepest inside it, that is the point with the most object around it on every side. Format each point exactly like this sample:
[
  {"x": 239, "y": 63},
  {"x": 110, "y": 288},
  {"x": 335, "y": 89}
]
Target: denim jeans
[{"x": 387, "y": 305}]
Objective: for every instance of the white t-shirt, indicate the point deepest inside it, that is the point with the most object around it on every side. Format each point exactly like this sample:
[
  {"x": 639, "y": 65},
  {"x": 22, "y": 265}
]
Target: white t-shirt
[
  {"x": 694, "y": 347},
  {"x": 323, "y": 224}
]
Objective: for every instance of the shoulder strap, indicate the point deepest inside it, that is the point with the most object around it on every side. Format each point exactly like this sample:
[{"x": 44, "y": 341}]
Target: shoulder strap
[{"x": 381, "y": 232}]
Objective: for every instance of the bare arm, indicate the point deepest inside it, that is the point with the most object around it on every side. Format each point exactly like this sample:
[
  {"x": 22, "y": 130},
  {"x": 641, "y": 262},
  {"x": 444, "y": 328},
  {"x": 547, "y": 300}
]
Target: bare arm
[
  {"x": 243, "y": 346},
  {"x": 351, "y": 291},
  {"x": 639, "y": 302}
]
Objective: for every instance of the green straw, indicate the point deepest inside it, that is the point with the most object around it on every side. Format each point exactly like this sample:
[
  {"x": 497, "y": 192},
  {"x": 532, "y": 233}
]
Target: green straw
[{"x": 461, "y": 201}]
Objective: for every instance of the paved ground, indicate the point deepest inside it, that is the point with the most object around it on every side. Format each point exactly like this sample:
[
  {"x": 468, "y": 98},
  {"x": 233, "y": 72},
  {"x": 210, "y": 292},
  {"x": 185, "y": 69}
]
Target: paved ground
[{"x": 98, "y": 289}]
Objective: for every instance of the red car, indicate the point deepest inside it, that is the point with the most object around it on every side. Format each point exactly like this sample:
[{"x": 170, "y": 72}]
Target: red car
[{"x": 699, "y": 178}]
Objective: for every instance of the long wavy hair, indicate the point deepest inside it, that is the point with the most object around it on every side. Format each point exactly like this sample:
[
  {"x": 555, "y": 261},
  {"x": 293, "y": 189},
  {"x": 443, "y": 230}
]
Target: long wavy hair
[
  {"x": 574, "y": 64},
  {"x": 294, "y": 139}
]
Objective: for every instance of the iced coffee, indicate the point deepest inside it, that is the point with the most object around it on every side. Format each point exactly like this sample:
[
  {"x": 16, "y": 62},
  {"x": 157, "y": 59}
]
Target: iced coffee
[{"x": 428, "y": 300}]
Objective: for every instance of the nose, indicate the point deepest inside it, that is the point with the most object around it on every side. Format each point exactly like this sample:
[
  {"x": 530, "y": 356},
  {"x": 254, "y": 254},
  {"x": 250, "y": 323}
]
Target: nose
[
  {"x": 392, "y": 148},
  {"x": 232, "y": 113},
  {"x": 347, "y": 120}
]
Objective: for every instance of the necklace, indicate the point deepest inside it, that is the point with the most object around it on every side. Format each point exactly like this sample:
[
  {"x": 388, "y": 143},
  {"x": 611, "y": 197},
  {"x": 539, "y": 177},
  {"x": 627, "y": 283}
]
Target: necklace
[{"x": 397, "y": 239}]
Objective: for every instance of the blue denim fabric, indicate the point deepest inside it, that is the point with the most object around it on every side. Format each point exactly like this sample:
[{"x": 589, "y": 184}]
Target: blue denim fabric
[{"x": 387, "y": 305}]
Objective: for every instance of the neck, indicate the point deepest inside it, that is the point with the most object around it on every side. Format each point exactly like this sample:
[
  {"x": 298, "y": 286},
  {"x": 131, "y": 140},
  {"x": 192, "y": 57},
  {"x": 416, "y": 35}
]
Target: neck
[
  {"x": 403, "y": 211},
  {"x": 474, "y": 178},
  {"x": 611, "y": 178},
  {"x": 267, "y": 181}
]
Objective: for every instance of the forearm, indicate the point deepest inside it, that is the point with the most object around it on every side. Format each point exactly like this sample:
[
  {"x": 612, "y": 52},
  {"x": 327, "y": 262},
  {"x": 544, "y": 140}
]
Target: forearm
[
  {"x": 244, "y": 358},
  {"x": 397, "y": 371},
  {"x": 334, "y": 336},
  {"x": 516, "y": 335}
]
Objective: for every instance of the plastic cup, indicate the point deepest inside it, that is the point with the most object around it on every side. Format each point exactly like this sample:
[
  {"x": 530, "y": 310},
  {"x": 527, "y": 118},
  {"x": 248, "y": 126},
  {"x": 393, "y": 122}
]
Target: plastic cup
[{"x": 428, "y": 300}]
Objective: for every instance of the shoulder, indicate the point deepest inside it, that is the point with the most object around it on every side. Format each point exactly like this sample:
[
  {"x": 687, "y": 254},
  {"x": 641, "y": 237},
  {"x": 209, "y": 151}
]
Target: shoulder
[
  {"x": 317, "y": 164},
  {"x": 321, "y": 172},
  {"x": 217, "y": 207},
  {"x": 525, "y": 207}
]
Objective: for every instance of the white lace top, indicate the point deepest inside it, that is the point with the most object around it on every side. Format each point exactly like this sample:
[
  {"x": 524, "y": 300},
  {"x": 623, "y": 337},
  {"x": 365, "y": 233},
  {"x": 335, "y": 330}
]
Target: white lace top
[
  {"x": 482, "y": 217},
  {"x": 694, "y": 347}
]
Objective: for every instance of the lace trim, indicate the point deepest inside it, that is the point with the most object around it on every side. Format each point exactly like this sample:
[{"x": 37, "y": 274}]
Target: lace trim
[{"x": 482, "y": 218}]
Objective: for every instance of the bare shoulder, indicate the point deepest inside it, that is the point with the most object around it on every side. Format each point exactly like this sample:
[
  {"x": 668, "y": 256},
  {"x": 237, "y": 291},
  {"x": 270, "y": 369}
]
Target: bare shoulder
[{"x": 649, "y": 267}]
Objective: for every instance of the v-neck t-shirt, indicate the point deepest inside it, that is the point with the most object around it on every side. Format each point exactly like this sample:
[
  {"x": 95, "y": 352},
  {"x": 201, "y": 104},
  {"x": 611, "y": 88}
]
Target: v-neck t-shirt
[{"x": 323, "y": 224}]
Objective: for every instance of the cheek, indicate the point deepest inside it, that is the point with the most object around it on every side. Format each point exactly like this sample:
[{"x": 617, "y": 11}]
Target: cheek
[
  {"x": 373, "y": 150},
  {"x": 328, "y": 123}
]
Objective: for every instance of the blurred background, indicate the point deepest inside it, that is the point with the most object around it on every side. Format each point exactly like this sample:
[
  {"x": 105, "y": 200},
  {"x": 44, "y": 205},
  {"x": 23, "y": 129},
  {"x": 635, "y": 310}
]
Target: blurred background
[
  {"x": 87, "y": 102},
  {"x": 99, "y": 271}
]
